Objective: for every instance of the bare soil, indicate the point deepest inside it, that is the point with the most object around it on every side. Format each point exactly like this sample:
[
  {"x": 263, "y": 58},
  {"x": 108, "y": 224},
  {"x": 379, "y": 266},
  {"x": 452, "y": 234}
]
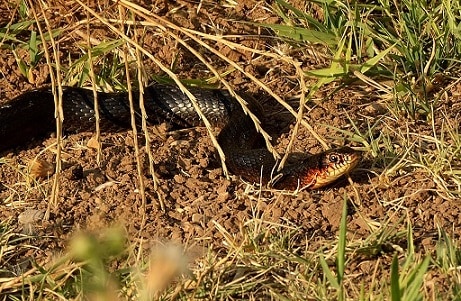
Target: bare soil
[{"x": 195, "y": 194}]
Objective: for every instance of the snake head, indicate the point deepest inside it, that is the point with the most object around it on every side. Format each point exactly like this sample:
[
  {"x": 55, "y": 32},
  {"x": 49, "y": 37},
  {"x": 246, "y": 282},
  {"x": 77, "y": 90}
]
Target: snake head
[
  {"x": 333, "y": 164},
  {"x": 318, "y": 170}
]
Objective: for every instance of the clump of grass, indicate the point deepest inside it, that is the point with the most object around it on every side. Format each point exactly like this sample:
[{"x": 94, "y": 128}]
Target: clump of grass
[
  {"x": 265, "y": 260},
  {"x": 411, "y": 42}
]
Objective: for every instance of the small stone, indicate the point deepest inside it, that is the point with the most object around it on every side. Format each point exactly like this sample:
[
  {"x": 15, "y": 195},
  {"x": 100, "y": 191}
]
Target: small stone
[
  {"x": 93, "y": 143},
  {"x": 197, "y": 218},
  {"x": 179, "y": 179},
  {"x": 30, "y": 216}
]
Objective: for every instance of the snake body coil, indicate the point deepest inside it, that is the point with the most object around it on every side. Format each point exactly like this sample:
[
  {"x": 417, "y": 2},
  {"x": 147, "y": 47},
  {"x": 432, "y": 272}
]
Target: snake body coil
[{"x": 31, "y": 115}]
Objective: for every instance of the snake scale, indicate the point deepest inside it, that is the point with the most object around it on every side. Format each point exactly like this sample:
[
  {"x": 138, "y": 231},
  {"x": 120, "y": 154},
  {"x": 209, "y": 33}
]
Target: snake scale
[{"x": 31, "y": 115}]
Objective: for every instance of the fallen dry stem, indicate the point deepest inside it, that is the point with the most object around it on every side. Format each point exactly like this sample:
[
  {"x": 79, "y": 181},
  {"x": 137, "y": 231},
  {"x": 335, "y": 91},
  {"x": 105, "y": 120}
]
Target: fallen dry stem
[{"x": 55, "y": 81}]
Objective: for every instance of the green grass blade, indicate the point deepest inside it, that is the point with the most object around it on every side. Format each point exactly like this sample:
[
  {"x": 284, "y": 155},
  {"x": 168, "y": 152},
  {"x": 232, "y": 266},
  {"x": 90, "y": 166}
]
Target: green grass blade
[
  {"x": 336, "y": 69},
  {"x": 341, "y": 257},
  {"x": 33, "y": 49},
  {"x": 328, "y": 274},
  {"x": 300, "y": 34},
  {"x": 373, "y": 61},
  {"x": 302, "y": 15},
  {"x": 395, "y": 287},
  {"x": 413, "y": 289},
  {"x": 410, "y": 244}
]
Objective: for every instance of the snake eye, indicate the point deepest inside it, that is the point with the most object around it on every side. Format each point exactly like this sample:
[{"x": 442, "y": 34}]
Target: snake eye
[{"x": 334, "y": 158}]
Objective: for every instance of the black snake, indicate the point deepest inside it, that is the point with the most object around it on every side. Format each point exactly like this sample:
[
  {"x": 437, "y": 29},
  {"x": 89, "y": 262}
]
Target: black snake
[{"x": 31, "y": 115}]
